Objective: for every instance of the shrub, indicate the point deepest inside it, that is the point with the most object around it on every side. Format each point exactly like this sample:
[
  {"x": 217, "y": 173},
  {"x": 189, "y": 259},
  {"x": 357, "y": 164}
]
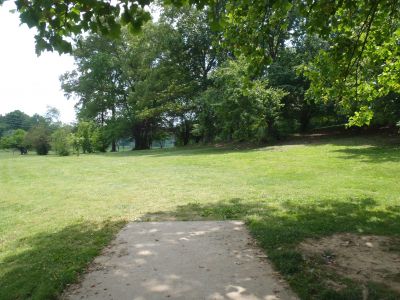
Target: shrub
[
  {"x": 39, "y": 138},
  {"x": 60, "y": 141}
]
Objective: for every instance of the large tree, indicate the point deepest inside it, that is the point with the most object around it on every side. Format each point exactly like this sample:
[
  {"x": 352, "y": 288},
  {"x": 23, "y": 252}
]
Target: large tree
[
  {"x": 197, "y": 53},
  {"x": 147, "y": 82},
  {"x": 97, "y": 83}
]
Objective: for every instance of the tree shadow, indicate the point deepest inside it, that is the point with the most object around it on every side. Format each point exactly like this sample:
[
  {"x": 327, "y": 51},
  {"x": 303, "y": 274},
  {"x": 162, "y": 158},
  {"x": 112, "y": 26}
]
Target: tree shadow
[
  {"x": 290, "y": 221},
  {"x": 372, "y": 154},
  {"x": 184, "y": 151},
  {"x": 351, "y": 139},
  {"x": 50, "y": 261},
  {"x": 280, "y": 227}
]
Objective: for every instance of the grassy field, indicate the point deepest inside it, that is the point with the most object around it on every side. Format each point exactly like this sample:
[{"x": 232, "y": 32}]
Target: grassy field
[{"x": 56, "y": 213}]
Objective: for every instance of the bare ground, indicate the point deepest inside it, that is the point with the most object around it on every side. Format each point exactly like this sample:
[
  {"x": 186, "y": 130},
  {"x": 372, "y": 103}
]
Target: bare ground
[
  {"x": 363, "y": 258},
  {"x": 181, "y": 260}
]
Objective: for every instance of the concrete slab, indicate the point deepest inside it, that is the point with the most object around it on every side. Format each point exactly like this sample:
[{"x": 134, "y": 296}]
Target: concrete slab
[{"x": 181, "y": 260}]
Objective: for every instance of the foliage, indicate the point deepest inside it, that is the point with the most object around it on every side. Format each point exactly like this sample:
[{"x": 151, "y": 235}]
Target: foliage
[
  {"x": 85, "y": 134},
  {"x": 99, "y": 140},
  {"x": 14, "y": 140},
  {"x": 245, "y": 109},
  {"x": 97, "y": 84},
  {"x": 386, "y": 109},
  {"x": 58, "y": 22},
  {"x": 360, "y": 63},
  {"x": 88, "y": 137},
  {"x": 198, "y": 53},
  {"x": 38, "y": 137},
  {"x": 263, "y": 25},
  {"x": 160, "y": 137},
  {"x": 18, "y": 120},
  {"x": 76, "y": 143},
  {"x": 159, "y": 79},
  {"x": 60, "y": 141},
  {"x": 144, "y": 83}
]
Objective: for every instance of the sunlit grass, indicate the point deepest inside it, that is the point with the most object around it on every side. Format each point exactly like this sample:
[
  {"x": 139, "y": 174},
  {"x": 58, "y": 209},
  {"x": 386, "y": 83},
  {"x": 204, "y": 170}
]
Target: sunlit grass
[{"x": 56, "y": 213}]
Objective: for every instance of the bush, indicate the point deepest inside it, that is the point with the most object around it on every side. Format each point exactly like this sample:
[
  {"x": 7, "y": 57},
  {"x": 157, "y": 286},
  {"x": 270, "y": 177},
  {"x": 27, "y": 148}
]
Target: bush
[
  {"x": 60, "y": 141},
  {"x": 99, "y": 140},
  {"x": 39, "y": 138}
]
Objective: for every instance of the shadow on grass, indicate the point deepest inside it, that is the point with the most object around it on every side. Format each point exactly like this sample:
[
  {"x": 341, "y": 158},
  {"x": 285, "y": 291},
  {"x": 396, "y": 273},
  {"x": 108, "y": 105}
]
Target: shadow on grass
[
  {"x": 180, "y": 151},
  {"x": 279, "y": 227},
  {"x": 372, "y": 154},
  {"x": 50, "y": 261}
]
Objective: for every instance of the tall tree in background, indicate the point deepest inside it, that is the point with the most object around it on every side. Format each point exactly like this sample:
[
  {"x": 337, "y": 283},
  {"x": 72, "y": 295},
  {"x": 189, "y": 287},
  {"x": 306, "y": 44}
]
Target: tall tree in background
[
  {"x": 96, "y": 83},
  {"x": 18, "y": 120},
  {"x": 147, "y": 82},
  {"x": 197, "y": 53}
]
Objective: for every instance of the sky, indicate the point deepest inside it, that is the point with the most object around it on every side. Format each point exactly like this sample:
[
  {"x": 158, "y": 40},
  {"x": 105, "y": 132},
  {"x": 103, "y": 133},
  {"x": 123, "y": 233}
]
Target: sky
[{"x": 28, "y": 82}]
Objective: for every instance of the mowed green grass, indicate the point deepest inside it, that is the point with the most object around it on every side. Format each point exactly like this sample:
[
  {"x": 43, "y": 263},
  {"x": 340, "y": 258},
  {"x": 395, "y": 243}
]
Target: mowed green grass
[{"x": 57, "y": 213}]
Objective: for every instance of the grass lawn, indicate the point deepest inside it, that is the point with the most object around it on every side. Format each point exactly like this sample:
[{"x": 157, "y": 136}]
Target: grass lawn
[{"x": 57, "y": 213}]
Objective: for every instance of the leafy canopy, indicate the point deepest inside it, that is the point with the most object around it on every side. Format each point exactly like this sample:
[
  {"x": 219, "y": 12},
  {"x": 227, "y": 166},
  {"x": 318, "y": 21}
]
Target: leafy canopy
[{"x": 360, "y": 64}]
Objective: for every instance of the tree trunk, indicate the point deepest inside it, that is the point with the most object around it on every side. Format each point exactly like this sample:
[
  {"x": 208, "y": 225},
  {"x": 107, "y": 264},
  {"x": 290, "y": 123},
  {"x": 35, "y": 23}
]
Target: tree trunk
[
  {"x": 142, "y": 138},
  {"x": 186, "y": 133},
  {"x": 113, "y": 142},
  {"x": 113, "y": 146},
  {"x": 305, "y": 118}
]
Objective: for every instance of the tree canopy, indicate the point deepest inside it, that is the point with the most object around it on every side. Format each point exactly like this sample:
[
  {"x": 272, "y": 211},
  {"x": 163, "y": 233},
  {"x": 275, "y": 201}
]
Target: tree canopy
[{"x": 324, "y": 62}]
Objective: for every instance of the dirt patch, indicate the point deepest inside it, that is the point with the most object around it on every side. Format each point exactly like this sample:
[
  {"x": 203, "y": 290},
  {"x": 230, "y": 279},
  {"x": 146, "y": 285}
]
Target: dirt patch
[{"x": 363, "y": 258}]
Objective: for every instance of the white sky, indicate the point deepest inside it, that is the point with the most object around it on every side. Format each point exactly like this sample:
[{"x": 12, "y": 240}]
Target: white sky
[{"x": 27, "y": 82}]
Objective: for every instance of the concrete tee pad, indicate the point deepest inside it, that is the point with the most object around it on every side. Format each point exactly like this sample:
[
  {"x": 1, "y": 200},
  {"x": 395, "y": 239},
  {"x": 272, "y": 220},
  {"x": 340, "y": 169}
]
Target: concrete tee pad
[{"x": 181, "y": 260}]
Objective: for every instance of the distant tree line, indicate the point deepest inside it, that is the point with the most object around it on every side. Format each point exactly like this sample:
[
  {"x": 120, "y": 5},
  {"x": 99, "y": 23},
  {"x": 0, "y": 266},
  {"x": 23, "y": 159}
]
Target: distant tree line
[{"x": 21, "y": 132}]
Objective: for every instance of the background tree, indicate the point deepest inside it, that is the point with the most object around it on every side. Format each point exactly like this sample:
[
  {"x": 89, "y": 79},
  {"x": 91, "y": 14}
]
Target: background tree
[
  {"x": 38, "y": 137},
  {"x": 18, "y": 120},
  {"x": 15, "y": 140},
  {"x": 171, "y": 76},
  {"x": 148, "y": 83},
  {"x": 61, "y": 142},
  {"x": 96, "y": 83},
  {"x": 85, "y": 134},
  {"x": 244, "y": 109},
  {"x": 197, "y": 53}
]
